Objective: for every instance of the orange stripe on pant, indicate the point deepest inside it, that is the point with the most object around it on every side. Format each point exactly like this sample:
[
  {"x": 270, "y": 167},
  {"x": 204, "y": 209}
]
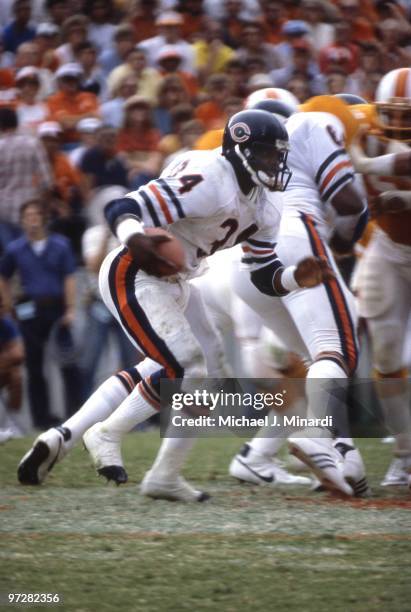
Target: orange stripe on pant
[
  {"x": 338, "y": 298},
  {"x": 134, "y": 324}
]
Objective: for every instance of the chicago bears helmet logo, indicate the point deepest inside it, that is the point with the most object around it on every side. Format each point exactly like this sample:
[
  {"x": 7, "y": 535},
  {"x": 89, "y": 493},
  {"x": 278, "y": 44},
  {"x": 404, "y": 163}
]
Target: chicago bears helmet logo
[{"x": 240, "y": 132}]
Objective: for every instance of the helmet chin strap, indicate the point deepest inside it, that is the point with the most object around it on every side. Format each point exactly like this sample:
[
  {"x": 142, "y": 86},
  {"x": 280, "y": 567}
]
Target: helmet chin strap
[{"x": 255, "y": 175}]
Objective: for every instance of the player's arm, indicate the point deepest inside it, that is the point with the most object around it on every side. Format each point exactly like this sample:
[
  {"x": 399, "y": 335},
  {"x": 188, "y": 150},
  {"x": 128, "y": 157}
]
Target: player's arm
[
  {"x": 392, "y": 164},
  {"x": 159, "y": 203},
  {"x": 391, "y": 202},
  {"x": 271, "y": 277},
  {"x": 351, "y": 207}
]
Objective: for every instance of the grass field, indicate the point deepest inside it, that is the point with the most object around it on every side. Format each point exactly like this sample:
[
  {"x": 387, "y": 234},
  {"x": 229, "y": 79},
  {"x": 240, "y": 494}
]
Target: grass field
[{"x": 107, "y": 548}]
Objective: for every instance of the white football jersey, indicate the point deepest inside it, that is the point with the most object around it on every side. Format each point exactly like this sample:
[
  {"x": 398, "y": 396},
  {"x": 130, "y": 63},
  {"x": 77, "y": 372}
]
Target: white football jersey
[
  {"x": 197, "y": 198},
  {"x": 320, "y": 167}
]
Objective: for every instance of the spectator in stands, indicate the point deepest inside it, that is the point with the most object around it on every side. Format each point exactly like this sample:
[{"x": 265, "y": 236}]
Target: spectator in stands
[
  {"x": 142, "y": 16},
  {"x": 101, "y": 22},
  {"x": 361, "y": 27},
  {"x": 8, "y": 91},
  {"x": 19, "y": 30},
  {"x": 300, "y": 87},
  {"x": 58, "y": 11},
  {"x": 237, "y": 72},
  {"x": 11, "y": 375},
  {"x": 99, "y": 323},
  {"x": 232, "y": 23},
  {"x": 187, "y": 134},
  {"x": 301, "y": 65},
  {"x": 116, "y": 53},
  {"x": 361, "y": 82},
  {"x": 169, "y": 26},
  {"x": 147, "y": 79},
  {"x": 169, "y": 61},
  {"x": 294, "y": 31},
  {"x": 93, "y": 79},
  {"x": 211, "y": 112},
  {"x": 138, "y": 140},
  {"x": 274, "y": 18},
  {"x": 253, "y": 44},
  {"x": 45, "y": 265},
  {"x": 171, "y": 92},
  {"x": 101, "y": 164},
  {"x": 87, "y": 129},
  {"x": 112, "y": 112},
  {"x": 28, "y": 54},
  {"x": 30, "y": 110},
  {"x": 74, "y": 32},
  {"x": 321, "y": 33},
  {"x": 342, "y": 50},
  {"x": 69, "y": 104},
  {"x": 47, "y": 39},
  {"x": 25, "y": 174},
  {"x": 6, "y": 57},
  {"x": 211, "y": 54},
  {"x": 336, "y": 82},
  {"x": 193, "y": 14},
  {"x": 180, "y": 115},
  {"x": 392, "y": 36},
  {"x": 70, "y": 189}
]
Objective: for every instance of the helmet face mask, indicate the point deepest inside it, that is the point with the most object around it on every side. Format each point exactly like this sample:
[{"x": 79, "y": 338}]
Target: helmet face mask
[
  {"x": 258, "y": 142},
  {"x": 395, "y": 118},
  {"x": 266, "y": 164}
]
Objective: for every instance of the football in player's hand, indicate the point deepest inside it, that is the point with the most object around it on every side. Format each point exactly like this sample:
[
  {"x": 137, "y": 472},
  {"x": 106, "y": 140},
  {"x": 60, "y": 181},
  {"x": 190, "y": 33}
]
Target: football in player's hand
[{"x": 171, "y": 250}]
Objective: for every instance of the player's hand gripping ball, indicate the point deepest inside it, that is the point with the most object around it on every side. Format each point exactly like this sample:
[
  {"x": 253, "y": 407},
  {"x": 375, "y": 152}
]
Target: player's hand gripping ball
[{"x": 157, "y": 252}]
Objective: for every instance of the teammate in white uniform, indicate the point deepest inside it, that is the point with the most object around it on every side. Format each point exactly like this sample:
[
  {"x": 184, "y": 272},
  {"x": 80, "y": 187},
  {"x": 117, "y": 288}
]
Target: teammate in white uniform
[
  {"x": 322, "y": 204},
  {"x": 209, "y": 201}
]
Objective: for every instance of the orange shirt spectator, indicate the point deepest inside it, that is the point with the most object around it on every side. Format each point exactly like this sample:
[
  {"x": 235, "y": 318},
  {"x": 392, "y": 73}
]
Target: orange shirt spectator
[
  {"x": 68, "y": 105},
  {"x": 66, "y": 177},
  {"x": 8, "y": 92},
  {"x": 169, "y": 61},
  {"x": 212, "y": 112}
]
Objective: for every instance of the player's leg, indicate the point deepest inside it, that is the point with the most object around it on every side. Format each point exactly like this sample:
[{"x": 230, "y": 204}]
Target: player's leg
[
  {"x": 163, "y": 479},
  {"x": 151, "y": 312},
  {"x": 326, "y": 319},
  {"x": 264, "y": 359},
  {"x": 53, "y": 445},
  {"x": 385, "y": 301}
]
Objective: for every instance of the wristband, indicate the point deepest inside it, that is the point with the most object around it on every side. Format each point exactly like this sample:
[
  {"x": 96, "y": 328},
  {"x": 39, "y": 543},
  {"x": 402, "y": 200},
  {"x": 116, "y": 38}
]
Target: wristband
[
  {"x": 127, "y": 227},
  {"x": 288, "y": 279}
]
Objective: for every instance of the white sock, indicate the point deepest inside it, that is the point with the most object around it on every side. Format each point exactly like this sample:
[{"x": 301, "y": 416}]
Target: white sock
[
  {"x": 393, "y": 394},
  {"x": 131, "y": 412},
  {"x": 264, "y": 442},
  {"x": 326, "y": 386},
  {"x": 98, "y": 407},
  {"x": 171, "y": 457}
]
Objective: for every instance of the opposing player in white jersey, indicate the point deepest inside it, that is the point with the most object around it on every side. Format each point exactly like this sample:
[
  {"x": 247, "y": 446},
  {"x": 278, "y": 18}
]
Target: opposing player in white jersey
[
  {"x": 209, "y": 201},
  {"x": 383, "y": 279}
]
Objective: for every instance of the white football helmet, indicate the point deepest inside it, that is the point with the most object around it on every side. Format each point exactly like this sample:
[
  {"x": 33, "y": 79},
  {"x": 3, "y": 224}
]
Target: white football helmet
[
  {"x": 272, "y": 93},
  {"x": 393, "y": 104}
]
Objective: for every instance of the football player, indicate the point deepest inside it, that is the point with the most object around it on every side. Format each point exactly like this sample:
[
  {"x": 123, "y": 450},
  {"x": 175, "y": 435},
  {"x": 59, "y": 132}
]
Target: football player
[
  {"x": 383, "y": 278},
  {"x": 209, "y": 201}
]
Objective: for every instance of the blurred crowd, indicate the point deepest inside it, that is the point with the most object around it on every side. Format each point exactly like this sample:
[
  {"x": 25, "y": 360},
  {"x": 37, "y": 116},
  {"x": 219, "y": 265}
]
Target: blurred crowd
[{"x": 96, "y": 96}]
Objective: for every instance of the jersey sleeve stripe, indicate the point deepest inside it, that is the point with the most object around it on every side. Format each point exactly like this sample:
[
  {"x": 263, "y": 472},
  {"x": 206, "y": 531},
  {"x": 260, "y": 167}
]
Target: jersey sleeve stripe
[
  {"x": 333, "y": 172},
  {"x": 150, "y": 208},
  {"x": 247, "y": 249},
  {"x": 162, "y": 202},
  {"x": 260, "y": 243},
  {"x": 174, "y": 199},
  {"x": 327, "y": 162},
  {"x": 337, "y": 186},
  {"x": 259, "y": 260}
]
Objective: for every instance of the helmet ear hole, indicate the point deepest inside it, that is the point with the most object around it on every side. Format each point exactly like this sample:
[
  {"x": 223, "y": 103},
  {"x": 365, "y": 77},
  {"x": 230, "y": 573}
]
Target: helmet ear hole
[{"x": 256, "y": 142}]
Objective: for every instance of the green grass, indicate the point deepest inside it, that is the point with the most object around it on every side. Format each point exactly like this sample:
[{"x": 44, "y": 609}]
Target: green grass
[{"x": 249, "y": 548}]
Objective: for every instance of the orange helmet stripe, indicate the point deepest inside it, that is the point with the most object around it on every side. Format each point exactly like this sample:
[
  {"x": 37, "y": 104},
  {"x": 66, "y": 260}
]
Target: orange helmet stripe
[{"x": 401, "y": 83}]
